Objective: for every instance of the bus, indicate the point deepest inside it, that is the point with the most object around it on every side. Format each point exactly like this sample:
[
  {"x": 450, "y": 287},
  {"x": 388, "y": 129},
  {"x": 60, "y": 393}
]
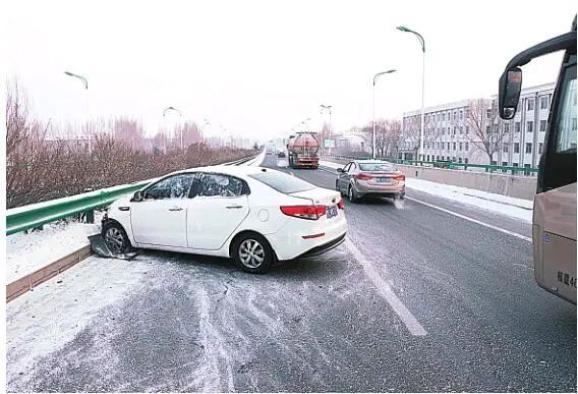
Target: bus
[{"x": 554, "y": 218}]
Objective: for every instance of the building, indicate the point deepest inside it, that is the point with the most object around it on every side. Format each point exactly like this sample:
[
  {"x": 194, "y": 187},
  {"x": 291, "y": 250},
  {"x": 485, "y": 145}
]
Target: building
[
  {"x": 523, "y": 136},
  {"x": 470, "y": 131},
  {"x": 448, "y": 133}
]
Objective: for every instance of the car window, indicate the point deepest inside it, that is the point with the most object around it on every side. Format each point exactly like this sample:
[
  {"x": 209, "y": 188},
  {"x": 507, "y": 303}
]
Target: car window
[
  {"x": 176, "y": 186},
  {"x": 346, "y": 168},
  {"x": 282, "y": 182},
  {"x": 352, "y": 168},
  {"x": 376, "y": 167},
  {"x": 219, "y": 185}
]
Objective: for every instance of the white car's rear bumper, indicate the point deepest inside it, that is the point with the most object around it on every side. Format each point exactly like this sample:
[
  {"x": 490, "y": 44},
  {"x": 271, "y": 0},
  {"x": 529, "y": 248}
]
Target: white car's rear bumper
[{"x": 289, "y": 242}]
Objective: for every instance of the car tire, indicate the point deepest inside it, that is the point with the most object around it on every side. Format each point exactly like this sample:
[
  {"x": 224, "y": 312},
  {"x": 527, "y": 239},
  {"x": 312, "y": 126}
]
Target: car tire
[
  {"x": 252, "y": 253},
  {"x": 116, "y": 238},
  {"x": 352, "y": 195}
]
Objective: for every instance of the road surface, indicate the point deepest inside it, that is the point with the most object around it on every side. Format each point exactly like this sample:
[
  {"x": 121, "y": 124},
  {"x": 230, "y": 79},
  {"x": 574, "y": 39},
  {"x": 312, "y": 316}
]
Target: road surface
[{"x": 417, "y": 299}]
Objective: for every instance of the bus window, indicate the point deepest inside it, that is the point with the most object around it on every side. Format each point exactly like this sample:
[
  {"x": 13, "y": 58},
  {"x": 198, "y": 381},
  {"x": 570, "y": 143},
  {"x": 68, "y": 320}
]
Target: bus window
[{"x": 566, "y": 122}]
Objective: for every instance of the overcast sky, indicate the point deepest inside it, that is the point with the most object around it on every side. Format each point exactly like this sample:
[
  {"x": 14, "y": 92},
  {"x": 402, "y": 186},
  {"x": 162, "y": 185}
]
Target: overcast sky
[{"x": 258, "y": 68}]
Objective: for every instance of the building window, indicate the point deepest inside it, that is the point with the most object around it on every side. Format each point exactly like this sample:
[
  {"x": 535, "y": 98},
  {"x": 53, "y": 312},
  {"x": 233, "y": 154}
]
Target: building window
[
  {"x": 467, "y": 146},
  {"x": 530, "y": 106},
  {"x": 461, "y": 114},
  {"x": 505, "y": 148},
  {"x": 544, "y": 102},
  {"x": 454, "y": 146},
  {"x": 540, "y": 148},
  {"x": 515, "y": 164},
  {"x": 487, "y": 129},
  {"x": 459, "y": 159},
  {"x": 504, "y": 163},
  {"x": 461, "y": 129},
  {"x": 466, "y": 160},
  {"x": 448, "y": 146},
  {"x": 467, "y": 129},
  {"x": 427, "y": 158},
  {"x": 543, "y": 124},
  {"x": 506, "y": 127},
  {"x": 517, "y": 127},
  {"x": 529, "y": 147},
  {"x": 516, "y": 147},
  {"x": 530, "y": 126},
  {"x": 461, "y": 146}
]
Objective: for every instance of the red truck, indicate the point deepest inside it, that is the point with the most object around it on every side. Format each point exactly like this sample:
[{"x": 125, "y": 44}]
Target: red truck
[{"x": 303, "y": 150}]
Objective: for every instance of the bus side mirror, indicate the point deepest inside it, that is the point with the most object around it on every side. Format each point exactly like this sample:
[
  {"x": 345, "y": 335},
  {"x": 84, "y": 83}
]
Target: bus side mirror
[{"x": 509, "y": 92}]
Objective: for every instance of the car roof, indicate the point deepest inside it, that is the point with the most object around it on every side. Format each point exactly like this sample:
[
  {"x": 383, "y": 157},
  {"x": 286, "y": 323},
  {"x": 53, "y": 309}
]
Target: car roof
[
  {"x": 370, "y": 161},
  {"x": 223, "y": 169}
]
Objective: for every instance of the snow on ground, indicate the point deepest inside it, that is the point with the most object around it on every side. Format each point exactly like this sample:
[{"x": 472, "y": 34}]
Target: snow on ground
[
  {"x": 514, "y": 207},
  {"x": 26, "y": 253},
  {"x": 257, "y": 161},
  {"x": 45, "y": 319}
]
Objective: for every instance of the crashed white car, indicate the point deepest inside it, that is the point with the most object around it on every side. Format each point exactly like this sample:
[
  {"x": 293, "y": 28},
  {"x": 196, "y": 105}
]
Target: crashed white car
[{"x": 253, "y": 215}]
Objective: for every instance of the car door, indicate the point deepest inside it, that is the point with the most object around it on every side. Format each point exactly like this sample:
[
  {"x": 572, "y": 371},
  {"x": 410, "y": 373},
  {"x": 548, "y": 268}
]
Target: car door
[
  {"x": 342, "y": 177},
  {"x": 218, "y": 205},
  {"x": 349, "y": 175},
  {"x": 161, "y": 217}
]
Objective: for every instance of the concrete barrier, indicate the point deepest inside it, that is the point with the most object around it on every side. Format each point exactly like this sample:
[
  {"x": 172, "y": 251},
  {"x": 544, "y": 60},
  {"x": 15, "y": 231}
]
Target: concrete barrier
[{"x": 505, "y": 184}]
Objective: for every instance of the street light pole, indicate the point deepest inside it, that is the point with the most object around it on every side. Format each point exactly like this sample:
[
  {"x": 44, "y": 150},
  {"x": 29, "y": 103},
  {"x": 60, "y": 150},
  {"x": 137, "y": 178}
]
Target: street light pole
[
  {"x": 328, "y": 109},
  {"x": 373, "y": 107},
  {"x": 86, "y": 111},
  {"x": 180, "y": 116},
  {"x": 422, "y": 42}
]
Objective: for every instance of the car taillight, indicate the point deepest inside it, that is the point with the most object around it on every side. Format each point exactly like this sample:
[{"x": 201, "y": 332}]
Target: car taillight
[
  {"x": 400, "y": 177},
  {"x": 341, "y": 204},
  {"x": 311, "y": 212},
  {"x": 363, "y": 177}
]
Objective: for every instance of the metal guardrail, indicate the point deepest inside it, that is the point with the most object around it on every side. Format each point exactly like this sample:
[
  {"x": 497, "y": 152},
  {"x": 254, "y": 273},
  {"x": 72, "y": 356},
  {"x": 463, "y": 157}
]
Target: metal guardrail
[
  {"x": 35, "y": 215},
  {"x": 447, "y": 164}
]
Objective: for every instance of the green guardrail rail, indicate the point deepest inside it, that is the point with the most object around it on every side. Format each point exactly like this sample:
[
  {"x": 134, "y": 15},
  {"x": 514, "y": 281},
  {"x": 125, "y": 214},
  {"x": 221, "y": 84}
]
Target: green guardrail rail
[
  {"x": 447, "y": 164},
  {"x": 35, "y": 215}
]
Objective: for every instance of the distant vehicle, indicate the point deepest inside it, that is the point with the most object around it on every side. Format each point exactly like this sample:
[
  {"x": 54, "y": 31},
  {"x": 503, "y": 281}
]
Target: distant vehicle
[
  {"x": 253, "y": 215},
  {"x": 281, "y": 154},
  {"x": 303, "y": 149},
  {"x": 554, "y": 221},
  {"x": 360, "y": 178}
]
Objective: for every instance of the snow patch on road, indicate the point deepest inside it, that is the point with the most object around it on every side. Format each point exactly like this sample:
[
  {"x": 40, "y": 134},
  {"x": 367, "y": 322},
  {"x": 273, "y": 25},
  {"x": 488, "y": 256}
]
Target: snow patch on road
[
  {"x": 44, "y": 320},
  {"x": 26, "y": 253}
]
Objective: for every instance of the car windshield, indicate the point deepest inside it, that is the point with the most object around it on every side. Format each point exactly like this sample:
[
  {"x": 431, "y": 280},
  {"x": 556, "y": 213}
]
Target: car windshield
[
  {"x": 376, "y": 167},
  {"x": 282, "y": 182}
]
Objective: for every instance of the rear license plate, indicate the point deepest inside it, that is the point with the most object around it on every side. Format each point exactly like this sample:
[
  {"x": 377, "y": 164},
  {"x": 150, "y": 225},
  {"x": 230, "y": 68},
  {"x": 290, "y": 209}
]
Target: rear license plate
[
  {"x": 383, "y": 180},
  {"x": 331, "y": 212}
]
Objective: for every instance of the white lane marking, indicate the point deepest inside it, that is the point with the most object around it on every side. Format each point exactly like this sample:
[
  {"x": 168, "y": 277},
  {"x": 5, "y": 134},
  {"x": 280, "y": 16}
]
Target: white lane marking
[
  {"x": 502, "y": 230},
  {"x": 385, "y": 291}
]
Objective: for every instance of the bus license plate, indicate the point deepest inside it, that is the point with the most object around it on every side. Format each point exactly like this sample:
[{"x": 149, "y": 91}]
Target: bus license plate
[{"x": 331, "y": 212}]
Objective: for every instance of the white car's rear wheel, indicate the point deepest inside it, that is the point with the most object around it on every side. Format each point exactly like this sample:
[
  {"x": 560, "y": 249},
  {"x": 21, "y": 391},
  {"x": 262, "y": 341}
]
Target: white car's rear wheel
[{"x": 253, "y": 254}]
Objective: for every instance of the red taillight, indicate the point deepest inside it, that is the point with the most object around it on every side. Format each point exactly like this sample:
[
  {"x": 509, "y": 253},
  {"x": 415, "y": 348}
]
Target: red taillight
[
  {"x": 363, "y": 177},
  {"x": 400, "y": 177},
  {"x": 341, "y": 204},
  {"x": 311, "y": 212}
]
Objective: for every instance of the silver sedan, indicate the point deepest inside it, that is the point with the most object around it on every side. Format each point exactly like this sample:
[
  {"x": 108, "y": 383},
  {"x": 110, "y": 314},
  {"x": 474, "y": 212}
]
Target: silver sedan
[{"x": 360, "y": 178}]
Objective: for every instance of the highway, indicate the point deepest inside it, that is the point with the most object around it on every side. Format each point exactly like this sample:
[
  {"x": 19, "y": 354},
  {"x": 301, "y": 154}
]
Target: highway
[{"x": 417, "y": 299}]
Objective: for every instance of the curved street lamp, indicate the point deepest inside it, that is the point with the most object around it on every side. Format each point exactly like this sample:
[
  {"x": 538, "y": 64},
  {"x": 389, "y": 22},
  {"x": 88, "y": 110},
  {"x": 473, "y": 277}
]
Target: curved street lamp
[
  {"x": 422, "y": 43},
  {"x": 180, "y": 116},
  {"x": 80, "y": 77},
  {"x": 375, "y": 77}
]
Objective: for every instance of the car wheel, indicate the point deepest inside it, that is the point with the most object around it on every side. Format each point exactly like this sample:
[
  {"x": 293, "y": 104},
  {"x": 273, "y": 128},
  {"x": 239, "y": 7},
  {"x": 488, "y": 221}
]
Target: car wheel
[
  {"x": 115, "y": 238},
  {"x": 352, "y": 195},
  {"x": 253, "y": 254}
]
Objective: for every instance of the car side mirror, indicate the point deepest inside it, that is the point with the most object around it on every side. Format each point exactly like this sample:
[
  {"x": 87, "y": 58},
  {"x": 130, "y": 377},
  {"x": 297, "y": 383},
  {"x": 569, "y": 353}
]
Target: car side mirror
[
  {"x": 137, "y": 196},
  {"x": 509, "y": 92},
  {"x": 340, "y": 170}
]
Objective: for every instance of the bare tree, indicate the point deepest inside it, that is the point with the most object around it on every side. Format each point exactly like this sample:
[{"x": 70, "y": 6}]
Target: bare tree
[
  {"x": 480, "y": 118},
  {"x": 387, "y": 136}
]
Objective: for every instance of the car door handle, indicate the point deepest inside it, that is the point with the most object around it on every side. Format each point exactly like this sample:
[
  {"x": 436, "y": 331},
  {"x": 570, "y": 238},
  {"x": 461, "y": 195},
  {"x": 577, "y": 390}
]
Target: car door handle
[
  {"x": 234, "y": 206},
  {"x": 175, "y": 209}
]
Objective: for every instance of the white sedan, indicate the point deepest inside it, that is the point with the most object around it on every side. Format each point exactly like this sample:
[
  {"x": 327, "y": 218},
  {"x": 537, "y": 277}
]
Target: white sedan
[{"x": 253, "y": 215}]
